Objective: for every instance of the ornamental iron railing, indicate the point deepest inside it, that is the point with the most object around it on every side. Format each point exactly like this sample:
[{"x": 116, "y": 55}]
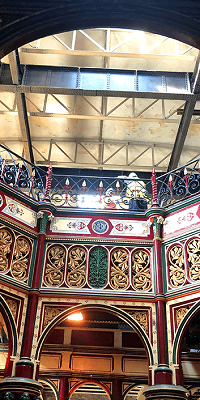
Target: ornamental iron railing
[{"x": 129, "y": 193}]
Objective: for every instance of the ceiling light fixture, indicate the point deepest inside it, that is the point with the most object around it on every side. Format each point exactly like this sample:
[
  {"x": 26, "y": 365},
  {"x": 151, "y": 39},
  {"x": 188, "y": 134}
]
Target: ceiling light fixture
[{"x": 75, "y": 317}]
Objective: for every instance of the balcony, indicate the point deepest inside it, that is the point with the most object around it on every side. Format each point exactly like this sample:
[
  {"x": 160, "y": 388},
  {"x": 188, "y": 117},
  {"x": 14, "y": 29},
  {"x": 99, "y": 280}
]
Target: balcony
[{"x": 127, "y": 193}]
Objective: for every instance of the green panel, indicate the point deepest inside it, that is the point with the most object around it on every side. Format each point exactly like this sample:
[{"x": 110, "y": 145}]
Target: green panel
[{"x": 98, "y": 267}]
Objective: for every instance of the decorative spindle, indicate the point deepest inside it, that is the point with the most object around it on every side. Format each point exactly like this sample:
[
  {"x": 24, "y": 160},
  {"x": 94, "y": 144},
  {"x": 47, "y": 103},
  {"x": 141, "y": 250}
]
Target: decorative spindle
[
  {"x": 170, "y": 184},
  {"x": 67, "y": 188},
  {"x": 4, "y": 162},
  {"x": 100, "y": 190},
  {"x": 32, "y": 182},
  {"x": 186, "y": 179},
  {"x": 19, "y": 170},
  {"x": 48, "y": 184},
  {"x": 154, "y": 189}
]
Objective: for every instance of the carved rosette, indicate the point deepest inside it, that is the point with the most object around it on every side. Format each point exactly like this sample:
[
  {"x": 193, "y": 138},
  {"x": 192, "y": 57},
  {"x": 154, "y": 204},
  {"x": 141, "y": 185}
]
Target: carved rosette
[
  {"x": 54, "y": 271},
  {"x": 119, "y": 269},
  {"x": 193, "y": 254},
  {"x": 5, "y": 248},
  {"x": 180, "y": 313},
  {"x": 176, "y": 266},
  {"x": 141, "y": 275},
  {"x": 21, "y": 256},
  {"x": 76, "y": 267},
  {"x": 50, "y": 313}
]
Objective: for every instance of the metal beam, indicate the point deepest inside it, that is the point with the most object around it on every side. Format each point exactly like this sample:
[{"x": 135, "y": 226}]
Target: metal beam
[
  {"x": 186, "y": 118},
  {"x": 21, "y": 106},
  {"x": 182, "y": 133},
  {"x": 109, "y": 54},
  {"x": 94, "y": 92}
]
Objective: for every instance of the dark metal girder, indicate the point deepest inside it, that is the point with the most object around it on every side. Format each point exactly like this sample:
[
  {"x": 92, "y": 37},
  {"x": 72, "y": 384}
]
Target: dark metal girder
[
  {"x": 182, "y": 133},
  {"x": 21, "y": 106}
]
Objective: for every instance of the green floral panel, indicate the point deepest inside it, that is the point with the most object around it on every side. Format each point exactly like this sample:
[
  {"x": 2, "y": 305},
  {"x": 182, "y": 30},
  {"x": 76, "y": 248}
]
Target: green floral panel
[{"x": 98, "y": 267}]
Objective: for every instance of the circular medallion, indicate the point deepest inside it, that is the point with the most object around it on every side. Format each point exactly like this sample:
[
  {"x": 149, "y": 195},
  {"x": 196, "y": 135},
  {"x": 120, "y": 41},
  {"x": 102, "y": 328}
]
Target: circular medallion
[{"x": 100, "y": 226}]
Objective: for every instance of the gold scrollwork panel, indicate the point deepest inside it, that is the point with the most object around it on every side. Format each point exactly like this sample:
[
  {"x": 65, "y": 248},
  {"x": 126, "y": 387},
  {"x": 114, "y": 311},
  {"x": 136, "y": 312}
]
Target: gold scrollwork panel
[
  {"x": 21, "y": 257},
  {"x": 54, "y": 272},
  {"x": 193, "y": 256},
  {"x": 176, "y": 266},
  {"x": 141, "y": 274},
  {"x": 76, "y": 267},
  {"x": 119, "y": 269},
  {"x": 5, "y": 248},
  {"x": 180, "y": 313}
]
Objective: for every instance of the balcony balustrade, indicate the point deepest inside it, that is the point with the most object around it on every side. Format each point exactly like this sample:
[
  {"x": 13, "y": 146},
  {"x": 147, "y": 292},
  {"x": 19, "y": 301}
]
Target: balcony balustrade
[{"x": 127, "y": 193}]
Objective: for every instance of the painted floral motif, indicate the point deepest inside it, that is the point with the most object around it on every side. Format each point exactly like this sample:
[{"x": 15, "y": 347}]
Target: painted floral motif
[
  {"x": 55, "y": 266},
  {"x": 176, "y": 266},
  {"x": 76, "y": 266},
  {"x": 141, "y": 277},
  {"x": 5, "y": 248},
  {"x": 193, "y": 253},
  {"x": 20, "y": 258},
  {"x": 119, "y": 269}
]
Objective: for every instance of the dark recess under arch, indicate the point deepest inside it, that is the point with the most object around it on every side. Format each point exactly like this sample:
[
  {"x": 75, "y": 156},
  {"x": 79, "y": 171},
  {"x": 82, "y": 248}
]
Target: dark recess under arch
[{"x": 24, "y": 21}]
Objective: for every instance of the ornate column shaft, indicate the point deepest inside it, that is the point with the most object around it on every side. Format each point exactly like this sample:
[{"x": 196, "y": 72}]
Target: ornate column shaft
[
  {"x": 163, "y": 374},
  {"x": 25, "y": 367},
  {"x": 64, "y": 388},
  {"x": 117, "y": 389}
]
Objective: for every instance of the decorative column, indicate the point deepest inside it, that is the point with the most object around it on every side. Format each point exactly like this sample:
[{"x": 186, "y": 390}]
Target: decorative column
[
  {"x": 23, "y": 381},
  {"x": 64, "y": 388},
  {"x": 117, "y": 389},
  {"x": 162, "y": 387}
]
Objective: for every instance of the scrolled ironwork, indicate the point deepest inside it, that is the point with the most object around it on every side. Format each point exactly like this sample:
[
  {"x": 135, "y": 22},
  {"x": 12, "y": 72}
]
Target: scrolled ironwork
[
  {"x": 54, "y": 272},
  {"x": 128, "y": 193},
  {"x": 141, "y": 275},
  {"x": 119, "y": 269},
  {"x": 193, "y": 255},
  {"x": 176, "y": 266},
  {"x": 98, "y": 270},
  {"x": 5, "y": 248},
  {"x": 21, "y": 257},
  {"x": 76, "y": 266}
]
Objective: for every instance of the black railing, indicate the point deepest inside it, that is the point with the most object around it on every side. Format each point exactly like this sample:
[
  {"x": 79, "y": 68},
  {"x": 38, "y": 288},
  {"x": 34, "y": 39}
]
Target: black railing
[{"x": 122, "y": 192}]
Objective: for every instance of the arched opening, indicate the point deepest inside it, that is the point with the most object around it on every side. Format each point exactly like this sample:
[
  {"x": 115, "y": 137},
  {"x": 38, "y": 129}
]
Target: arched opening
[
  {"x": 190, "y": 352},
  {"x": 89, "y": 390},
  {"x": 100, "y": 348},
  {"x": 3, "y": 344},
  {"x": 8, "y": 339}
]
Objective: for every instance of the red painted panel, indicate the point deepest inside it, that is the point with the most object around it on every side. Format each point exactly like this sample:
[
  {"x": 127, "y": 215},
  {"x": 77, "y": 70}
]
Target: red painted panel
[
  {"x": 131, "y": 339},
  {"x": 56, "y": 337},
  {"x": 92, "y": 338}
]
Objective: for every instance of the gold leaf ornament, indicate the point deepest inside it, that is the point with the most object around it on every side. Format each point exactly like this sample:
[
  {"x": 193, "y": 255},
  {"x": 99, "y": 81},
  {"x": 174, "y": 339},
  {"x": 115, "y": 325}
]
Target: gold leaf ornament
[
  {"x": 176, "y": 266},
  {"x": 119, "y": 269},
  {"x": 141, "y": 276},
  {"x": 76, "y": 266},
  {"x": 20, "y": 258},
  {"x": 5, "y": 248},
  {"x": 55, "y": 266}
]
